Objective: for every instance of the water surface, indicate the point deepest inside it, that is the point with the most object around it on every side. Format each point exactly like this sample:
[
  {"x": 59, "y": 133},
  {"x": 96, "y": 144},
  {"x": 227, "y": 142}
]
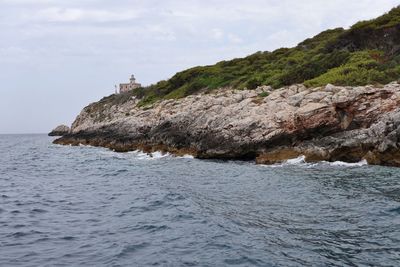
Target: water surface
[{"x": 85, "y": 206}]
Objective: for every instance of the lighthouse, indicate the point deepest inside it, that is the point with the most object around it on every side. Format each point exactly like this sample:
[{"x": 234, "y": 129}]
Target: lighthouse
[
  {"x": 132, "y": 79},
  {"x": 126, "y": 87}
]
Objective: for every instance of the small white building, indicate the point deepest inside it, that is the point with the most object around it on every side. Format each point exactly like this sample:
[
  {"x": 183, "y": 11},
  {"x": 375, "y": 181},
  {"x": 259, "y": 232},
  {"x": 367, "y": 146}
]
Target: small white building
[{"x": 126, "y": 87}]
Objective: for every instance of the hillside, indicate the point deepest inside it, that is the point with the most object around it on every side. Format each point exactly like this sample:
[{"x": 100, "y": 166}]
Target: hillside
[
  {"x": 367, "y": 53},
  {"x": 347, "y": 121}
]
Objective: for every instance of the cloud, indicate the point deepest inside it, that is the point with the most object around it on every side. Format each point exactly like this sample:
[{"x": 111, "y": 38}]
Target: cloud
[
  {"x": 23, "y": 2},
  {"x": 56, "y": 14},
  {"x": 235, "y": 39},
  {"x": 82, "y": 48},
  {"x": 217, "y": 34}
]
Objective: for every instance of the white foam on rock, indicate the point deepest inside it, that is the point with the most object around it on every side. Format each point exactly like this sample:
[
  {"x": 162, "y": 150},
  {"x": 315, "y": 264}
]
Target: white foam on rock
[
  {"x": 186, "y": 157},
  {"x": 296, "y": 161},
  {"x": 346, "y": 164},
  {"x": 149, "y": 156},
  {"x": 301, "y": 161},
  {"x": 159, "y": 155}
]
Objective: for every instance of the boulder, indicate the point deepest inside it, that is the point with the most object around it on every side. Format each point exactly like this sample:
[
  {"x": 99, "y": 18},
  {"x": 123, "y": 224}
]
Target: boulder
[{"x": 60, "y": 130}]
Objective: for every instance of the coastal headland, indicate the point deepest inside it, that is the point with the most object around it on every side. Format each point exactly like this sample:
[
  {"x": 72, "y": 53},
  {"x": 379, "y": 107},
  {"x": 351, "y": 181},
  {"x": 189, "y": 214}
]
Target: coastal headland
[
  {"x": 325, "y": 123},
  {"x": 333, "y": 97}
]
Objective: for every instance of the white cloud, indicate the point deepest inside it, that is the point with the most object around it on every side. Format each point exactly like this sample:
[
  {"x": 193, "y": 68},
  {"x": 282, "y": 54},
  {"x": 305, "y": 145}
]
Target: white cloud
[
  {"x": 217, "y": 34},
  {"x": 96, "y": 43},
  {"x": 234, "y": 39},
  {"x": 56, "y": 14},
  {"x": 21, "y": 2}
]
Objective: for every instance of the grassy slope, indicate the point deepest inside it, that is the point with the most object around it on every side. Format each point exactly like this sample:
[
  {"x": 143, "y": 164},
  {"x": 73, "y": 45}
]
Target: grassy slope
[{"x": 367, "y": 53}]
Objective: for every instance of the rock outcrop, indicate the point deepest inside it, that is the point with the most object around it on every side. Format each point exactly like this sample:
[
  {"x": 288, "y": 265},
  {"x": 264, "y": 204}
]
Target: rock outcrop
[
  {"x": 60, "y": 131},
  {"x": 326, "y": 123}
]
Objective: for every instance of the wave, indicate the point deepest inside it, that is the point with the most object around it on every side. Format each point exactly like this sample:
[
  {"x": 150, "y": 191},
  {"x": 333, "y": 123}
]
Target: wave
[
  {"x": 137, "y": 154},
  {"x": 157, "y": 155},
  {"x": 140, "y": 155},
  {"x": 296, "y": 161},
  {"x": 301, "y": 161},
  {"x": 346, "y": 164},
  {"x": 185, "y": 157},
  {"x": 149, "y": 156}
]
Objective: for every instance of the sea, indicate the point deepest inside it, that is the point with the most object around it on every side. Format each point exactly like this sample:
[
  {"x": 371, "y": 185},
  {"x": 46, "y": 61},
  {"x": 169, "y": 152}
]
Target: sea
[{"x": 87, "y": 206}]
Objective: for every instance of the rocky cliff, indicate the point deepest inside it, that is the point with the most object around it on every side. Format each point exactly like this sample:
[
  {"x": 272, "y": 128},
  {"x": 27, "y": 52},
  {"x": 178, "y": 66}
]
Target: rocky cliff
[{"x": 324, "y": 123}]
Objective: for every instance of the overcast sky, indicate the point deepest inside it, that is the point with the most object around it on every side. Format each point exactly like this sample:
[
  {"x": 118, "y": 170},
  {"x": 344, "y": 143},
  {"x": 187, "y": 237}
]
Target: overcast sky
[{"x": 57, "y": 56}]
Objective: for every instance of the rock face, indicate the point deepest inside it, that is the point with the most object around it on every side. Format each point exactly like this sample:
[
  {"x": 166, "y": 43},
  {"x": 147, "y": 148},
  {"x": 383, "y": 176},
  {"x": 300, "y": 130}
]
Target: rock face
[
  {"x": 326, "y": 123},
  {"x": 60, "y": 131}
]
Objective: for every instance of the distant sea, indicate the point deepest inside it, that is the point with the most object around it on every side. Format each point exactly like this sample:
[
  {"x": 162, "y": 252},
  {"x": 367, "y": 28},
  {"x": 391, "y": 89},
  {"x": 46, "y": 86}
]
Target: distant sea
[{"x": 86, "y": 206}]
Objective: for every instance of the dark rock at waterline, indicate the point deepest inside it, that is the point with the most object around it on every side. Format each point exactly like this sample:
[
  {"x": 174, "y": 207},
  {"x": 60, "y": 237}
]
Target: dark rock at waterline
[{"x": 60, "y": 131}]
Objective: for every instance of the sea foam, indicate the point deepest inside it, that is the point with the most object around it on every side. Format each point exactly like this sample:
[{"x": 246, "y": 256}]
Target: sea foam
[{"x": 301, "y": 161}]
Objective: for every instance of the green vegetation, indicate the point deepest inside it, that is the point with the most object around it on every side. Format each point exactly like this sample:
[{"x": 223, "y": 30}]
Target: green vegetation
[
  {"x": 366, "y": 53},
  {"x": 264, "y": 94},
  {"x": 362, "y": 68},
  {"x": 386, "y": 21}
]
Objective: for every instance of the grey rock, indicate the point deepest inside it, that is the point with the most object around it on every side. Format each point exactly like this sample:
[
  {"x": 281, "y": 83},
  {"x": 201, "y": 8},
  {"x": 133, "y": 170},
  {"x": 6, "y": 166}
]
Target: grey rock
[
  {"x": 60, "y": 131},
  {"x": 329, "y": 123}
]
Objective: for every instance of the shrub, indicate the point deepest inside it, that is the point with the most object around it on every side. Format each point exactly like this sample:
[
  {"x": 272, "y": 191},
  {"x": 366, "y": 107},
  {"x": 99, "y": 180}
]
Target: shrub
[
  {"x": 356, "y": 56},
  {"x": 263, "y": 94}
]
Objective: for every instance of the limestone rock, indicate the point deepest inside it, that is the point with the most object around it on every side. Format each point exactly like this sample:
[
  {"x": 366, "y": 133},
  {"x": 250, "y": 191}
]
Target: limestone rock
[
  {"x": 326, "y": 123},
  {"x": 60, "y": 131}
]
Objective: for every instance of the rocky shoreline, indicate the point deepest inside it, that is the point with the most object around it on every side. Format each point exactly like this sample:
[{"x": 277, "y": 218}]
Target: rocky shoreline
[
  {"x": 269, "y": 126},
  {"x": 60, "y": 131}
]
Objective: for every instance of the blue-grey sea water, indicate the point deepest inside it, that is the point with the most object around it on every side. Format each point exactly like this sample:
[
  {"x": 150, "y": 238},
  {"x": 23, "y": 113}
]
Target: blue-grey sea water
[{"x": 85, "y": 206}]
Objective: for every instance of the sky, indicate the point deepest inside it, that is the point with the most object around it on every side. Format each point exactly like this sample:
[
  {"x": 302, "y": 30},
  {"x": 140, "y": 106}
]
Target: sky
[{"x": 57, "y": 56}]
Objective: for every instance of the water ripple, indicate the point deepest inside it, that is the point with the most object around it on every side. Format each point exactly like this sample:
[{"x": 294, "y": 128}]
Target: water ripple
[{"x": 86, "y": 206}]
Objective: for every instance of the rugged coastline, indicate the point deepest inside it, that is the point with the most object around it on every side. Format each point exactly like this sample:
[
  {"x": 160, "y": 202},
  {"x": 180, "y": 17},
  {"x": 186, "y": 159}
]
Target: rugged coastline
[
  {"x": 269, "y": 126},
  {"x": 199, "y": 112},
  {"x": 60, "y": 131}
]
